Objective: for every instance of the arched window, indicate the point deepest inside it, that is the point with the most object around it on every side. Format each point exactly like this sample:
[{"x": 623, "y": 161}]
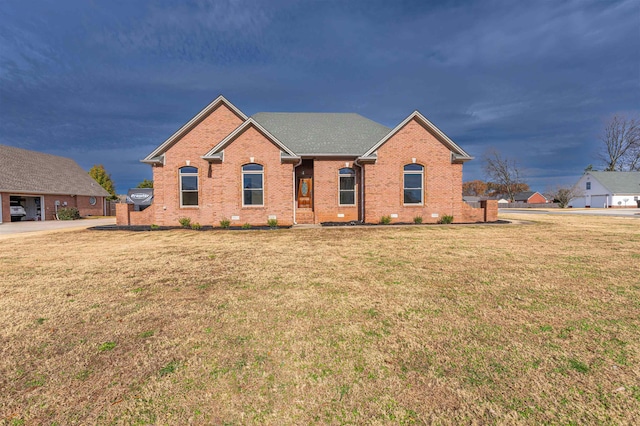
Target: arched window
[
  {"x": 188, "y": 186},
  {"x": 252, "y": 185},
  {"x": 347, "y": 188},
  {"x": 413, "y": 181}
]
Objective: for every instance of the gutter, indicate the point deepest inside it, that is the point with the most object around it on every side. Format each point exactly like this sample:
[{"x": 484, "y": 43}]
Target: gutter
[
  {"x": 294, "y": 190},
  {"x": 361, "y": 194}
]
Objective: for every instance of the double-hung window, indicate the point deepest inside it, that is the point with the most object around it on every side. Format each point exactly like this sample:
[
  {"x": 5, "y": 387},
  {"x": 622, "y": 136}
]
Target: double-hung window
[
  {"x": 347, "y": 188},
  {"x": 188, "y": 186},
  {"x": 413, "y": 184},
  {"x": 252, "y": 185}
]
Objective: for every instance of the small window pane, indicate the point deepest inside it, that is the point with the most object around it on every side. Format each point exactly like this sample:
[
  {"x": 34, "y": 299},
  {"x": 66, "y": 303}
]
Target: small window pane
[
  {"x": 347, "y": 182},
  {"x": 189, "y": 183},
  {"x": 412, "y": 181},
  {"x": 253, "y": 197},
  {"x": 252, "y": 167},
  {"x": 588, "y": 185},
  {"x": 347, "y": 197},
  {"x": 253, "y": 181},
  {"x": 413, "y": 196},
  {"x": 412, "y": 167},
  {"x": 188, "y": 170},
  {"x": 189, "y": 198}
]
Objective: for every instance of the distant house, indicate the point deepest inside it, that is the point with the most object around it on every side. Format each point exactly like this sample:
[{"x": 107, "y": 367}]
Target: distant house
[
  {"x": 607, "y": 189},
  {"x": 503, "y": 201},
  {"x": 302, "y": 168},
  {"x": 529, "y": 197},
  {"x": 33, "y": 186}
]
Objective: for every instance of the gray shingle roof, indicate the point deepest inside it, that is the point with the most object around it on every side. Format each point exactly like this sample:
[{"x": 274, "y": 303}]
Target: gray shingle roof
[
  {"x": 619, "y": 182},
  {"x": 24, "y": 171},
  {"x": 523, "y": 196},
  {"x": 323, "y": 133}
]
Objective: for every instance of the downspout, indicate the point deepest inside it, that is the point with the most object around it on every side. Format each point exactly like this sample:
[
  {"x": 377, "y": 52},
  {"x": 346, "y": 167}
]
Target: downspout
[
  {"x": 361, "y": 194},
  {"x": 294, "y": 190}
]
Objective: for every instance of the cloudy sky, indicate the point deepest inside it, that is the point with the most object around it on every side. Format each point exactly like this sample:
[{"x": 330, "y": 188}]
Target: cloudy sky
[{"x": 108, "y": 81}]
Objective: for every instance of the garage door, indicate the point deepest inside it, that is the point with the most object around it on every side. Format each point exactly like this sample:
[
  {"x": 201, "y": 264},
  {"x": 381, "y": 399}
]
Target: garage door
[{"x": 598, "y": 201}]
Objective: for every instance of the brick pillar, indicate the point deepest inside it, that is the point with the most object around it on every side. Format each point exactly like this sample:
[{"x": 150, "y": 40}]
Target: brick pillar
[{"x": 123, "y": 214}]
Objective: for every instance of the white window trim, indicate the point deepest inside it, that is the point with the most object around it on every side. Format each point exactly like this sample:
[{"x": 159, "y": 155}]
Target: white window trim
[
  {"x": 355, "y": 188},
  {"x": 404, "y": 188},
  {"x": 252, "y": 172},
  {"x": 180, "y": 175}
]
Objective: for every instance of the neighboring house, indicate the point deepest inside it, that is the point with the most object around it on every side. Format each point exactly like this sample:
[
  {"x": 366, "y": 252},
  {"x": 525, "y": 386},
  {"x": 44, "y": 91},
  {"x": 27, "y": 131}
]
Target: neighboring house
[
  {"x": 304, "y": 168},
  {"x": 530, "y": 197},
  {"x": 43, "y": 183},
  {"x": 607, "y": 189},
  {"x": 503, "y": 201}
]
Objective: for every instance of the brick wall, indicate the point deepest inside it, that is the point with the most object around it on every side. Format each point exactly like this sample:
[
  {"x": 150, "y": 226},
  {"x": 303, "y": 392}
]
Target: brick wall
[
  {"x": 5, "y": 207},
  {"x": 126, "y": 215},
  {"x": 537, "y": 199},
  {"x": 220, "y": 184},
  {"x": 197, "y": 142},
  {"x": 277, "y": 182},
  {"x": 442, "y": 182},
  {"x": 326, "y": 195}
]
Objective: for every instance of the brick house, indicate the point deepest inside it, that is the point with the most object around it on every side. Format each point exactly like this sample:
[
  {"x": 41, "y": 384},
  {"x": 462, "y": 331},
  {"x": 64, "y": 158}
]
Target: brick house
[
  {"x": 304, "y": 168},
  {"x": 41, "y": 183},
  {"x": 530, "y": 197}
]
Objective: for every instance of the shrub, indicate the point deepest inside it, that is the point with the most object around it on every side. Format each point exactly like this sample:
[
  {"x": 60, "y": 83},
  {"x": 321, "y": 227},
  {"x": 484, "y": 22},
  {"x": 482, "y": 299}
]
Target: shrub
[
  {"x": 246, "y": 226},
  {"x": 196, "y": 226},
  {"x": 417, "y": 220},
  {"x": 273, "y": 223},
  {"x": 225, "y": 223},
  {"x": 154, "y": 227},
  {"x": 385, "y": 220},
  {"x": 68, "y": 213},
  {"x": 185, "y": 221},
  {"x": 446, "y": 219}
]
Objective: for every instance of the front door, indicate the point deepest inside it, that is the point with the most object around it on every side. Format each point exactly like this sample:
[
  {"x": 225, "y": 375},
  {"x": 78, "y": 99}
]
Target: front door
[{"x": 305, "y": 193}]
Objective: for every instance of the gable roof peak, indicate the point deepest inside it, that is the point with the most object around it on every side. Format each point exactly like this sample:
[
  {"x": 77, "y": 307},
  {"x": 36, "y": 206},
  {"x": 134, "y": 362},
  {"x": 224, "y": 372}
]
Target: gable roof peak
[
  {"x": 458, "y": 154},
  {"x": 212, "y": 106},
  {"x": 238, "y": 131}
]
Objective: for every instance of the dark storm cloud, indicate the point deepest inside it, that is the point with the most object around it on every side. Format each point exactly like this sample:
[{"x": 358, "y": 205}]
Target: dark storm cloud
[{"x": 106, "y": 82}]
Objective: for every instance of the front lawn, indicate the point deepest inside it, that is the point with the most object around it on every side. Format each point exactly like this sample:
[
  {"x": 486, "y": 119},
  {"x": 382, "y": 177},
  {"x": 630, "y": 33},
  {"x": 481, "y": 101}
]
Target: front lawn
[{"x": 505, "y": 324}]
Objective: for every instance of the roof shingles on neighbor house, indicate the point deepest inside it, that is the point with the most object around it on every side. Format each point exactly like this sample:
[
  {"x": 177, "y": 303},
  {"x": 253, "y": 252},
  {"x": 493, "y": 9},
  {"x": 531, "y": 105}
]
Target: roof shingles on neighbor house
[
  {"x": 30, "y": 172},
  {"x": 619, "y": 182},
  {"x": 44, "y": 183}
]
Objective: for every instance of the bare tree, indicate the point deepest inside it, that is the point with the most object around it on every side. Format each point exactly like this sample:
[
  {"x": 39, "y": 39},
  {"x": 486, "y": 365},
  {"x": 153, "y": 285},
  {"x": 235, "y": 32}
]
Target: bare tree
[
  {"x": 503, "y": 172},
  {"x": 564, "y": 194},
  {"x": 621, "y": 139}
]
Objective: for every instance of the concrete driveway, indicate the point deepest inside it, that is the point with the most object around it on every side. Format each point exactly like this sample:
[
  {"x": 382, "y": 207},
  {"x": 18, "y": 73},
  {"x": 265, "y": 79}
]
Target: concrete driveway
[{"x": 9, "y": 229}]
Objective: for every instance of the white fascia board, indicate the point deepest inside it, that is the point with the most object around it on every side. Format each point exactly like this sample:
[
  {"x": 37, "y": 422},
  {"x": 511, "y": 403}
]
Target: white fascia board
[
  {"x": 242, "y": 128},
  {"x": 183, "y": 130},
  {"x": 330, "y": 155},
  {"x": 416, "y": 114}
]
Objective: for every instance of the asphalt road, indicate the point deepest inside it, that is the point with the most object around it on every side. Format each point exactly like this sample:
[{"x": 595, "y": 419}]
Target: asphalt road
[{"x": 589, "y": 212}]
